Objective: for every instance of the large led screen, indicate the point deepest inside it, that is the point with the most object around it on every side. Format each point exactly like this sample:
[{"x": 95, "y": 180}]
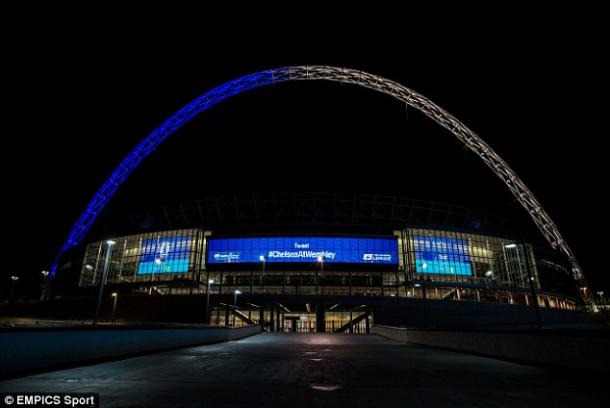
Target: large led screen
[
  {"x": 302, "y": 250},
  {"x": 164, "y": 255},
  {"x": 440, "y": 255}
]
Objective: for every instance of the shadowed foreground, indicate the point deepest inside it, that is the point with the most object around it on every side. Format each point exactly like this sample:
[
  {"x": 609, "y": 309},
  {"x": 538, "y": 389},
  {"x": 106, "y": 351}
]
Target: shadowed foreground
[{"x": 300, "y": 370}]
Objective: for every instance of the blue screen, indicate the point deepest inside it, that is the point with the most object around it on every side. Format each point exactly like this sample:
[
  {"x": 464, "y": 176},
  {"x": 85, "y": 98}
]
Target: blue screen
[
  {"x": 164, "y": 255},
  {"x": 303, "y": 250},
  {"x": 440, "y": 255}
]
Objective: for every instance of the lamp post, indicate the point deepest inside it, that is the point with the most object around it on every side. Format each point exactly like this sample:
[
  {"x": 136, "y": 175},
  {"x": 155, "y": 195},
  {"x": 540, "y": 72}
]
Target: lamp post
[
  {"x": 208, "y": 314},
  {"x": 530, "y": 279},
  {"x": 115, "y": 295},
  {"x": 422, "y": 284},
  {"x": 159, "y": 263},
  {"x": 109, "y": 245},
  {"x": 14, "y": 279},
  {"x": 321, "y": 271},
  {"x": 263, "y": 260},
  {"x": 601, "y": 296},
  {"x": 45, "y": 284},
  {"x": 237, "y": 292}
]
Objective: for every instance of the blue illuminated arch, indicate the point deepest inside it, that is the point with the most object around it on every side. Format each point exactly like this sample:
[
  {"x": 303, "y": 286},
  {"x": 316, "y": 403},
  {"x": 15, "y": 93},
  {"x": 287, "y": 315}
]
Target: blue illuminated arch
[{"x": 296, "y": 73}]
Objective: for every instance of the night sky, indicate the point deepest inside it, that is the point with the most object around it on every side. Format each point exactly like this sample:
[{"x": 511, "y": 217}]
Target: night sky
[{"x": 80, "y": 94}]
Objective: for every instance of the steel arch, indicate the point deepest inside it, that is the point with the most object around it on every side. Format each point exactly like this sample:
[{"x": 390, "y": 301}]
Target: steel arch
[{"x": 326, "y": 73}]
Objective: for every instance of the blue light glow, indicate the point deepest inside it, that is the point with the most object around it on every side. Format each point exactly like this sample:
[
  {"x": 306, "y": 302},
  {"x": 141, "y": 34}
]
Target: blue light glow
[
  {"x": 154, "y": 139},
  {"x": 302, "y": 250},
  {"x": 164, "y": 255},
  {"x": 439, "y": 255}
]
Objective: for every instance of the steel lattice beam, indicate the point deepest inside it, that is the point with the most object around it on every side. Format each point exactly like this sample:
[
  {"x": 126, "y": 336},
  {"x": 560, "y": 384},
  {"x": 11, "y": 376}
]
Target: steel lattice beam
[{"x": 324, "y": 73}]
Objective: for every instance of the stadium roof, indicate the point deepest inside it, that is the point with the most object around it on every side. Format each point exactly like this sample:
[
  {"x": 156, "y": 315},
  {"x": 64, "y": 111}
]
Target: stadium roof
[{"x": 314, "y": 210}]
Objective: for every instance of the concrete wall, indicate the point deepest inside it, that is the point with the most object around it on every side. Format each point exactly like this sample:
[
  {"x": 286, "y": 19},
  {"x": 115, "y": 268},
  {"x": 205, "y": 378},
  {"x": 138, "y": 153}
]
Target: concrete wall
[
  {"x": 582, "y": 351},
  {"x": 460, "y": 314},
  {"x": 28, "y": 349}
]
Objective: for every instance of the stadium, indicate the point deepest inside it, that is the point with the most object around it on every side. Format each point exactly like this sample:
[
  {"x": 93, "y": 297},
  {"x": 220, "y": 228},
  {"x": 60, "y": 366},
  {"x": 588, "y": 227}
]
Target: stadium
[{"x": 323, "y": 262}]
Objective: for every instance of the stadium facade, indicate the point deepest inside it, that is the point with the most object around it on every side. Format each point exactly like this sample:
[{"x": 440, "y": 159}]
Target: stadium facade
[{"x": 305, "y": 262}]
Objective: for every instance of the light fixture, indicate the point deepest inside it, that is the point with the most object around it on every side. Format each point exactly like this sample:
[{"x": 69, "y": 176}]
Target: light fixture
[
  {"x": 210, "y": 281},
  {"x": 114, "y": 294},
  {"x": 261, "y": 258},
  {"x": 510, "y": 246},
  {"x": 45, "y": 273},
  {"x": 14, "y": 277},
  {"x": 238, "y": 292},
  {"x": 88, "y": 267},
  {"x": 110, "y": 242}
]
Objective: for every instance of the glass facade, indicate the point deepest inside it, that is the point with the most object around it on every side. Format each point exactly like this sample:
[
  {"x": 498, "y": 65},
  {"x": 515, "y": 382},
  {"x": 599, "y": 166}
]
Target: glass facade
[
  {"x": 431, "y": 263},
  {"x": 152, "y": 257},
  {"x": 473, "y": 260}
]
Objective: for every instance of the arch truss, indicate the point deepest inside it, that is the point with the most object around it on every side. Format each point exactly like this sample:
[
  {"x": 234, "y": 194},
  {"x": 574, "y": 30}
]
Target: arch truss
[{"x": 322, "y": 73}]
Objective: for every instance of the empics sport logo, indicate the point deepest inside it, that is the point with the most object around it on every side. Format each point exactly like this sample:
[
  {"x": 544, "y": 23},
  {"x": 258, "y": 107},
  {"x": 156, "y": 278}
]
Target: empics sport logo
[{"x": 48, "y": 399}]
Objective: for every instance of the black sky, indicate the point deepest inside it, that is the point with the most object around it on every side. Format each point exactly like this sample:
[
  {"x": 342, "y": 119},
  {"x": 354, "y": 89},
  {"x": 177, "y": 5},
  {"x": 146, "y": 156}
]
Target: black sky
[{"x": 80, "y": 93}]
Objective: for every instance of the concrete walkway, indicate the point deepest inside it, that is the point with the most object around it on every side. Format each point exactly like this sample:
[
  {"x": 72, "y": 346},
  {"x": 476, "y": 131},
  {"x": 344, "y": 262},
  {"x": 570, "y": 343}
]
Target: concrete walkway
[{"x": 314, "y": 370}]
